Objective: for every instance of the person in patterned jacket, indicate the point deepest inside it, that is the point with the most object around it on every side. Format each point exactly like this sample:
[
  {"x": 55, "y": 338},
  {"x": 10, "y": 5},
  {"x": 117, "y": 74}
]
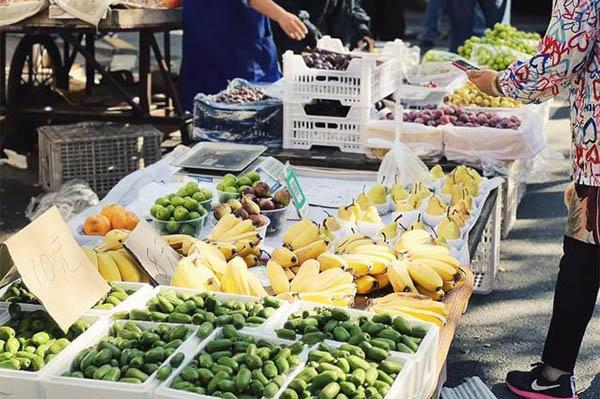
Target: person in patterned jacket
[{"x": 568, "y": 58}]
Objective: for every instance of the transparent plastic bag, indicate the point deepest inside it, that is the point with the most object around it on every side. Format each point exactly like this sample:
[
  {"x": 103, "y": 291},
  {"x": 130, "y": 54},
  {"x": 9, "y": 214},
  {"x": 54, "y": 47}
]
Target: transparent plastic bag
[
  {"x": 259, "y": 122},
  {"x": 73, "y": 197},
  {"x": 401, "y": 165},
  {"x": 496, "y": 57}
]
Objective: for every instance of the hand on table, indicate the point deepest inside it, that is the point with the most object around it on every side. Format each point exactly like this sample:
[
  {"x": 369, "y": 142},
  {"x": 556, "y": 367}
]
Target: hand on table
[
  {"x": 485, "y": 80},
  {"x": 292, "y": 26}
]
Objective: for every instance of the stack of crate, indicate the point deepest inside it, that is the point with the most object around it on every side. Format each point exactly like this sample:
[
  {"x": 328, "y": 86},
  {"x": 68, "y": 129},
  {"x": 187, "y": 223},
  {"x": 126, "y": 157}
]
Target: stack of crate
[{"x": 367, "y": 79}]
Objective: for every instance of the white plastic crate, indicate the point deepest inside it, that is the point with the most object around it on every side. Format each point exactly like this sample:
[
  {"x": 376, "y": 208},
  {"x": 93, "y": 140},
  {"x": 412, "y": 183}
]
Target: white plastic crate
[
  {"x": 137, "y": 299},
  {"x": 222, "y": 296},
  {"x": 19, "y": 384},
  {"x": 513, "y": 191},
  {"x": 485, "y": 262},
  {"x": 367, "y": 79},
  {"x": 302, "y": 131},
  {"x": 417, "y": 95},
  {"x": 57, "y": 386},
  {"x": 165, "y": 391},
  {"x": 425, "y": 360}
]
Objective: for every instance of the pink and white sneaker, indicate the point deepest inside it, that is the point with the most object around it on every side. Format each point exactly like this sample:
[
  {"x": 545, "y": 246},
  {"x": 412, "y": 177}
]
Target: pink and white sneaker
[{"x": 533, "y": 385}]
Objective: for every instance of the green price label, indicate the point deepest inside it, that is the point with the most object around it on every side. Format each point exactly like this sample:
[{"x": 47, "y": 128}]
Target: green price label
[{"x": 293, "y": 185}]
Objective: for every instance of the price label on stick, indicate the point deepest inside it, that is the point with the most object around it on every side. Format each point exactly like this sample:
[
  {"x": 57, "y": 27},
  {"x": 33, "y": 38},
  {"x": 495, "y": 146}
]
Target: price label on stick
[
  {"x": 295, "y": 189},
  {"x": 157, "y": 258},
  {"x": 54, "y": 268}
]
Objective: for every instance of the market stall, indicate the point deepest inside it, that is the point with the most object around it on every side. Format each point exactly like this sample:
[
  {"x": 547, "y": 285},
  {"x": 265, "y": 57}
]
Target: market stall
[{"x": 37, "y": 86}]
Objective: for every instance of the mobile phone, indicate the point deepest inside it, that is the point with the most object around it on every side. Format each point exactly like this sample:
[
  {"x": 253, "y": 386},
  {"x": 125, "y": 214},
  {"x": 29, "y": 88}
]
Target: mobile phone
[{"x": 465, "y": 66}]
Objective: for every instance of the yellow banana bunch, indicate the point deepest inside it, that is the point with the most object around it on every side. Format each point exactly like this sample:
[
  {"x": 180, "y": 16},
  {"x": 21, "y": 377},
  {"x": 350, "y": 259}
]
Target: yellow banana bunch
[
  {"x": 330, "y": 260},
  {"x": 279, "y": 280},
  {"x": 413, "y": 306},
  {"x": 301, "y": 234},
  {"x": 366, "y": 284},
  {"x": 128, "y": 268},
  {"x": 353, "y": 239},
  {"x": 181, "y": 243},
  {"x": 113, "y": 240},
  {"x": 400, "y": 278},
  {"x": 116, "y": 265},
  {"x": 234, "y": 237},
  {"x": 92, "y": 255},
  {"x": 311, "y": 251},
  {"x": 194, "y": 275},
  {"x": 108, "y": 268},
  {"x": 284, "y": 257},
  {"x": 236, "y": 277},
  {"x": 411, "y": 238}
]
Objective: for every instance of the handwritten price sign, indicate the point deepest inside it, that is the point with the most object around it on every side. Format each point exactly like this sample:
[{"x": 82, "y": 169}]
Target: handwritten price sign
[
  {"x": 152, "y": 252},
  {"x": 55, "y": 269}
]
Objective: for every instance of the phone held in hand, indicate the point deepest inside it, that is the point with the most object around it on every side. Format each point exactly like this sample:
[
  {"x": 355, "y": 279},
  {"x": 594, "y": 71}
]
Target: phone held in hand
[{"x": 465, "y": 66}]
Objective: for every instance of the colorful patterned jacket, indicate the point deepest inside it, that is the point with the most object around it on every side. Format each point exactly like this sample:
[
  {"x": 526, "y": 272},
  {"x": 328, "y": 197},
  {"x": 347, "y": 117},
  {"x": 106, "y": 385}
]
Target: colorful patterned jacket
[{"x": 568, "y": 58}]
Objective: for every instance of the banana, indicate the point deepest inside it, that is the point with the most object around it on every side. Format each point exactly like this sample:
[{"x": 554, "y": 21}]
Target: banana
[
  {"x": 113, "y": 240},
  {"x": 435, "y": 295},
  {"x": 256, "y": 288},
  {"x": 330, "y": 280},
  {"x": 243, "y": 246},
  {"x": 92, "y": 255},
  {"x": 284, "y": 257},
  {"x": 224, "y": 224},
  {"x": 412, "y": 238},
  {"x": 366, "y": 284},
  {"x": 128, "y": 268},
  {"x": 446, "y": 272},
  {"x": 371, "y": 248},
  {"x": 326, "y": 298},
  {"x": 295, "y": 269},
  {"x": 277, "y": 277},
  {"x": 411, "y": 300},
  {"x": 447, "y": 259},
  {"x": 289, "y": 273},
  {"x": 382, "y": 280},
  {"x": 227, "y": 249},
  {"x": 308, "y": 273},
  {"x": 425, "y": 276},
  {"x": 242, "y": 227},
  {"x": 287, "y": 296},
  {"x": 378, "y": 265},
  {"x": 345, "y": 241},
  {"x": 251, "y": 235},
  {"x": 350, "y": 246},
  {"x": 251, "y": 260},
  {"x": 359, "y": 267},
  {"x": 411, "y": 313},
  {"x": 428, "y": 249},
  {"x": 108, "y": 268},
  {"x": 182, "y": 243},
  {"x": 329, "y": 260},
  {"x": 449, "y": 286},
  {"x": 296, "y": 229},
  {"x": 194, "y": 275},
  {"x": 400, "y": 278},
  {"x": 307, "y": 236},
  {"x": 311, "y": 251},
  {"x": 236, "y": 277}
]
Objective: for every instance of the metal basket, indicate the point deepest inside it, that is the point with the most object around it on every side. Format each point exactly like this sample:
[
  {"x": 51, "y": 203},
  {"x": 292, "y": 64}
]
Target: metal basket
[
  {"x": 100, "y": 153},
  {"x": 485, "y": 262}
]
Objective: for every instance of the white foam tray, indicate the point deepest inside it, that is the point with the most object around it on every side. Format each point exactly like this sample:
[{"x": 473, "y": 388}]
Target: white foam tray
[
  {"x": 57, "y": 386},
  {"x": 165, "y": 392},
  {"x": 222, "y": 296},
  {"x": 424, "y": 360},
  {"x": 19, "y": 384}
]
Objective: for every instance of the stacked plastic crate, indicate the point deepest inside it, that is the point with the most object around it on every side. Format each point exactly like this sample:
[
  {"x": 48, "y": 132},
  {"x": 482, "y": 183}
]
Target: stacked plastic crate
[{"x": 331, "y": 107}]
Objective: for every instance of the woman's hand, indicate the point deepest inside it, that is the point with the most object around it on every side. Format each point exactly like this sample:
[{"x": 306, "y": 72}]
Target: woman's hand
[
  {"x": 292, "y": 26},
  {"x": 366, "y": 43},
  {"x": 485, "y": 80}
]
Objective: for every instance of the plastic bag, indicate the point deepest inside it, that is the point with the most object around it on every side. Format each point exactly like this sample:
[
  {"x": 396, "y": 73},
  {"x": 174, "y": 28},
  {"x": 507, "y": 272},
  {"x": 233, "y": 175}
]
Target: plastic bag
[
  {"x": 424, "y": 141},
  {"x": 73, "y": 197},
  {"x": 496, "y": 57},
  {"x": 440, "y": 55},
  {"x": 259, "y": 122},
  {"x": 402, "y": 166}
]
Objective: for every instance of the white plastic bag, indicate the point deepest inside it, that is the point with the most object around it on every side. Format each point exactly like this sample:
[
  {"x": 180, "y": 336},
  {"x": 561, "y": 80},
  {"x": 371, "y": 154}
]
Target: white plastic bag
[{"x": 402, "y": 166}]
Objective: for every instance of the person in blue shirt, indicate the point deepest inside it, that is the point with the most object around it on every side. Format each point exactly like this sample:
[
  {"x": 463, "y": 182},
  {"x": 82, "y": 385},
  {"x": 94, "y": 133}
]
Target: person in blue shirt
[{"x": 228, "y": 39}]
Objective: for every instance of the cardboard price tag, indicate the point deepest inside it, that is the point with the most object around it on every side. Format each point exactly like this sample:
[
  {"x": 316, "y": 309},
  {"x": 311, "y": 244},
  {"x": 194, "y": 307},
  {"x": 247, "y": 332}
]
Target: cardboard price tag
[
  {"x": 55, "y": 269},
  {"x": 151, "y": 251}
]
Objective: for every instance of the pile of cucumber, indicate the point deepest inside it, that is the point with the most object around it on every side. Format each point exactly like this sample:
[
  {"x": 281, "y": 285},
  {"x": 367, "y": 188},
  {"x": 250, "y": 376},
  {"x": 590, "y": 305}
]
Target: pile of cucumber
[
  {"x": 18, "y": 293},
  {"x": 131, "y": 354},
  {"x": 381, "y": 331},
  {"x": 115, "y": 296},
  {"x": 30, "y": 340},
  {"x": 235, "y": 365},
  {"x": 342, "y": 373},
  {"x": 186, "y": 308}
]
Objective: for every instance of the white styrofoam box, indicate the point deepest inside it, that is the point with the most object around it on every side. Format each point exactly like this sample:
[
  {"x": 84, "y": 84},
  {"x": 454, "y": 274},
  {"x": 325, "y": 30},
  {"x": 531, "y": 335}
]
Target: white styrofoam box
[
  {"x": 414, "y": 93},
  {"x": 405, "y": 385},
  {"x": 425, "y": 359},
  {"x": 222, "y": 296},
  {"x": 138, "y": 298},
  {"x": 367, "y": 80},
  {"x": 302, "y": 131},
  {"x": 58, "y": 386},
  {"x": 28, "y": 384},
  {"x": 165, "y": 391}
]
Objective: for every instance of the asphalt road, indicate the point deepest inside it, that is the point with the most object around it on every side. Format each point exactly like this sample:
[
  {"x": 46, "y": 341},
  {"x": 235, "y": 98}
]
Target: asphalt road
[{"x": 506, "y": 329}]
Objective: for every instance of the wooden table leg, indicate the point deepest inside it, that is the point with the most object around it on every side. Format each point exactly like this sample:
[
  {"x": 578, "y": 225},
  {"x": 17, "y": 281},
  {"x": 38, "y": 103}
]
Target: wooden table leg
[
  {"x": 164, "y": 71},
  {"x": 145, "y": 79},
  {"x": 2, "y": 69}
]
